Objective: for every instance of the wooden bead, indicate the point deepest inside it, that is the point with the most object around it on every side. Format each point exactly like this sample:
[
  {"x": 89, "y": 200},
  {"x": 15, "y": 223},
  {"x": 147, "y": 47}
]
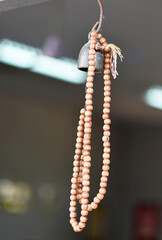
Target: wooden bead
[
  {"x": 86, "y": 182},
  {"x": 88, "y": 97},
  {"x": 107, "y": 133},
  {"x": 93, "y": 45},
  {"x": 90, "y": 208},
  {"x": 91, "y": 68},
  {"x": 105, "y": 167},
  {"x": 84, "y": 207},
  {"x": 87, "y": 158},
  {"x": 87, "y": 147},
  {"x": 75, "y": 169},
  {"x": 107, "y": 121},
  {"x": 74, "y": 186},
  {"x": 87, "y": 136},
  {"x": 89, "y": 108},
  {"x": 74, "y": 180},
  {"x": 85, "y": 194},
  {"x": 107, "y": 150},
  {"x": 94, "y": 34},
  {"x": 78, "y": 145},
  {"x": 92, "y": 52},
  {"x": 72, "y": 209},
  {"x": 87, "y": 130},
  {"x": 75, "y": 175},
  {"x": 86, "y": 189},
  {"x": 87, "y": 165},
  {"x": 102, "y": 40},
  {"x": 107, "y": 99},
  {"x": 107, "y": 66},
  {"x": 107, "y": 48},
  {"x": 90, "y": 90},
  {"x": 80, "y": 134},
  {"x": 80, "y": 128},
  {"x": 84, "y": 213},
  {"x": 86, "y": 177},
  {"x": 73, "y": 192},
  {"x": 105, "y": 116},
  {"x": 92, "y": 63},
  {"x": 86, "y": 153},
  {"x": 99, "y": 36},
  {"x": 106, "y": 105},
  {"x": 89, "y": 84},
  {"x": 73, "y": 204},
  {"x": 102, "y": 191},
  {"x": 88, "y": 113},
  {"x": 82, "y": 225},
  {"x": 88, "y": 119},
  {"x": 73, "y": 221},
  {"x": 106, "y": 161},
  {"x": 106, "y": 127},
  {"x": 107, "y": 71},
  {"x": 72, "y": 197},
  {"x": 105, "y": 173},
  {"x": 107, "y": 60},
  {"x": 81, "y": 122},
  {"x": 79, "y": 140},
  {"x": 77, "y": 228},
  {"x": 107, "y": 82},
  {"x": 87, "y": 141},
  {"x": 83, "y": 219},
  {"x": 103, "y": 184},
  {"x": 91, "y": 73},
  {"x": 105, "y": 138},
  {"x": 96, "y": 200},
  {"x": 82, "y": 111},
  {"x": 90, "y": 79},
  {"x": 91, "y": 57},
  {"x": 94, "y": 205},
  {"x": 84, "y": 201},
  {"x": 107, "y": 88},
  {"x": 107, "y": 55},
  {"x": 88, "y": 124},
  {"x": 76, "y": 163},
  {"x": 73, "y": 214},
  {"x": 107, "y": 93},
  {"x": 106, "y": 77},
  {"x": 100, "y": 196},
  {"x": 106, "y": 110},
  {"x": 106, "y": 155},
  {"x": 77, "y": 157},
  {"x": 88, "y": 102},
  {"x": 104, "y": 179}
]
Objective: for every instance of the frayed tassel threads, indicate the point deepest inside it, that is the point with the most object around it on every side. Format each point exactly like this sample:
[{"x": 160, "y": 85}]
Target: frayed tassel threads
[{"x": 115, "y": 52}]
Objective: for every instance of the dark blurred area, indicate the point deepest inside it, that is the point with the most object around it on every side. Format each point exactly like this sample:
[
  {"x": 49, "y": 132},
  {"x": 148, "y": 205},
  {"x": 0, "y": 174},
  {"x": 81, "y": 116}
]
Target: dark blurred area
[{"x": 39, "y": 116}]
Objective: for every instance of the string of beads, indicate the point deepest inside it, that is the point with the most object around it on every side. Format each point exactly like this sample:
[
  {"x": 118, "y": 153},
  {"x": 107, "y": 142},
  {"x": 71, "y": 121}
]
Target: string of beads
[{"x": 80, "y": 182}]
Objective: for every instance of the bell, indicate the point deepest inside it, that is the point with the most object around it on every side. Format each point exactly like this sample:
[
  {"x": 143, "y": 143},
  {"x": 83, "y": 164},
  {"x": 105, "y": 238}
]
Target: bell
[{"x": 83, "y": 61}]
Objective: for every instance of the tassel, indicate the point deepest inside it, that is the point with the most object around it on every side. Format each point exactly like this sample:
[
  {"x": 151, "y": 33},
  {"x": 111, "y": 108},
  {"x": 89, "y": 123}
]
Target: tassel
[{"x": 115, "y": 52}]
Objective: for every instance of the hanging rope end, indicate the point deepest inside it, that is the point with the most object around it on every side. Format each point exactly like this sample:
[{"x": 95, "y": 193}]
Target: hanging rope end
[{"x": 115, "y": 52}]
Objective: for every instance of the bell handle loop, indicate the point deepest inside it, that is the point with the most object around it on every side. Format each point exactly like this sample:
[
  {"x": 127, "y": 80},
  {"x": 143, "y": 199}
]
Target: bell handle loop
[{"x": 98, "y": 24}]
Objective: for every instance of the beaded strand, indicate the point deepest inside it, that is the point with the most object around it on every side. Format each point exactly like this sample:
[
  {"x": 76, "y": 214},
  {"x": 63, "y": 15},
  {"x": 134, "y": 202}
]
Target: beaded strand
[{"x": 82, "y": 160}]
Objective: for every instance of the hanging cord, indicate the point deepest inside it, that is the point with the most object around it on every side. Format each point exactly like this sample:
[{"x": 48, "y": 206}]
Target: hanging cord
[{"x": 99, "y": 23}]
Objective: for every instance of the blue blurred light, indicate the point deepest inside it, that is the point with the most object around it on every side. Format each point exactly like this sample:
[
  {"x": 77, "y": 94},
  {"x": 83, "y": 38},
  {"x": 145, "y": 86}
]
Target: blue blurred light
[
  {"x": 16, "y": 54},
  {"x": 153, "y": 97},
  {"x": 26, "y": 57}
]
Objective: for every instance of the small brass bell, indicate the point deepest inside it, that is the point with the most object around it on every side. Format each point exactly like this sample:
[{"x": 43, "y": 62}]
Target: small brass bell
[{"x": 83, "y": 61}]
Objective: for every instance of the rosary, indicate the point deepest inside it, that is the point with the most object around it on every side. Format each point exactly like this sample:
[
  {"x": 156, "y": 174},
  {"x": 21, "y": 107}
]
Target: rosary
[{"x": 95, "y": 56}]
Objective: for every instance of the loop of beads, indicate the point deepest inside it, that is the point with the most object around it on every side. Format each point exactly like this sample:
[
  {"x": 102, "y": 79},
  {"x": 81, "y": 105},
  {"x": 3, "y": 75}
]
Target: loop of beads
[{"x": 82, "y": 160}]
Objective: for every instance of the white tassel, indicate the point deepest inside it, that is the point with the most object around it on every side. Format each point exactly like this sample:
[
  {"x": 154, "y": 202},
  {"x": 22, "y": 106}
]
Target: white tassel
[{"x": 115, "y": 52}]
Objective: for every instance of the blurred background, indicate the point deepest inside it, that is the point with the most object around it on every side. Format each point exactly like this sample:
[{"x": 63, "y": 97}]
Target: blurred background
[{"x": 41, "y": 93}]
